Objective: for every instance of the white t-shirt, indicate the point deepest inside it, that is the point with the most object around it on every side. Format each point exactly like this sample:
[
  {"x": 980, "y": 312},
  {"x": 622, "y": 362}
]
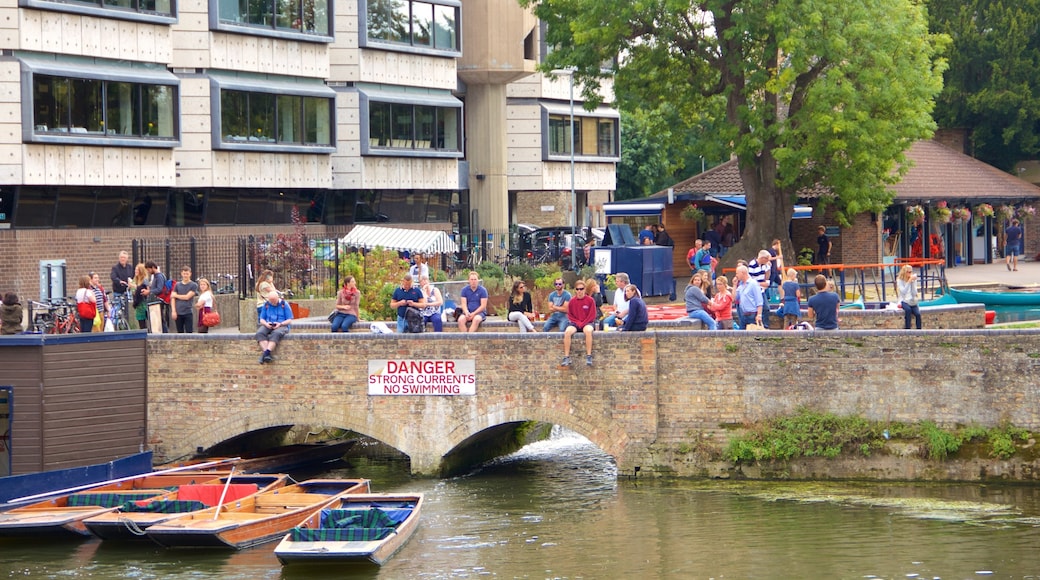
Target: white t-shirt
[
  {"x": 620, "y": 302},
  {"x": 205, "y": 300},
  {"x": 416, "y": 271}
]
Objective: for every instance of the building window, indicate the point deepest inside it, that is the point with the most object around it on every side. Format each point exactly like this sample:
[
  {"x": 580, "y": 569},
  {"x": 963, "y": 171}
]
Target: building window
[
  {"x": 596, "y": 136},
  {"x": 303, "y": 17},
  {"x": 80, "y": 107},
  {"x": 426, "y": 26},
  {"x": 157, "y": 11},
  {"x": 257, "y": 118},
  {"x": 406, "y": 126}
]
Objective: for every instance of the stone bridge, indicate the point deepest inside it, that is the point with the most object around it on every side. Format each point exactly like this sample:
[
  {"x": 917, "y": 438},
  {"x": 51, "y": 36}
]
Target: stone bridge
[{"x": 648, "y": 400}]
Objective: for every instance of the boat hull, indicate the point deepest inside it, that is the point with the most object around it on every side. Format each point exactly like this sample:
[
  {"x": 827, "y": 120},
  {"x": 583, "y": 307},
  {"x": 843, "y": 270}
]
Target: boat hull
[
  {"x": 338, "y": 551},
  {"x": 264, "y": 518},
  {"x": 996, "y": 298}
]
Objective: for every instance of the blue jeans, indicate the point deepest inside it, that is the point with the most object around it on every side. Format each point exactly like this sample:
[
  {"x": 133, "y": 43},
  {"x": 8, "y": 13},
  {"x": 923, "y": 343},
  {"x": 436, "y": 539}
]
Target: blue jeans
[
  {"x": 557, "y": 319},
  {"x": 909, "y": 311},
  {"x": 342, "y": 322},
  {"x": 436, "y": 320},
  {"x": 401, "y": 325},
  {"x": 746, "y": 319},
  {"x": 704, "y": 317}
]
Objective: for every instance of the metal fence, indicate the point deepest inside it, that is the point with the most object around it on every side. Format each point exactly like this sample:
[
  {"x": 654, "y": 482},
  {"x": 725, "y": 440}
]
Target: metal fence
[{"x": 310, "y": 266}]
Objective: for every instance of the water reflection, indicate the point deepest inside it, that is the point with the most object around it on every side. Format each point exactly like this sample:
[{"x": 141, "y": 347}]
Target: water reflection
[{"x": 558, "y": 510}]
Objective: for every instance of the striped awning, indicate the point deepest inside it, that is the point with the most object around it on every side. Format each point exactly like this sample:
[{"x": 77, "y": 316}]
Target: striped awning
[{"x": 402, "y": 240}]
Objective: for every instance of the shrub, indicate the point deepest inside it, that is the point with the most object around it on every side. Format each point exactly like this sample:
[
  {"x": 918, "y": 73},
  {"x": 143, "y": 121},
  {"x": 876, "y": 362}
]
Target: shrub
[{"x": 490, "y": 270}]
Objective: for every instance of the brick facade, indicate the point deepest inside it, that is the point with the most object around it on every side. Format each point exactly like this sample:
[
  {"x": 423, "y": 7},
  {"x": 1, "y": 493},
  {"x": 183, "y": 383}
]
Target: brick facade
[{"x": 645, "y": 395}]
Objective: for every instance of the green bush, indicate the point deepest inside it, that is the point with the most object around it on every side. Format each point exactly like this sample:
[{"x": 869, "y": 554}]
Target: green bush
[{"x": 490, "y": 270}]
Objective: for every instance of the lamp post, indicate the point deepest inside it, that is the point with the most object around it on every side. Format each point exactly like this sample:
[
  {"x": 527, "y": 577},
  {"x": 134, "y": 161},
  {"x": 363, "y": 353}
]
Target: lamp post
[{"x": 569, "y": 71}]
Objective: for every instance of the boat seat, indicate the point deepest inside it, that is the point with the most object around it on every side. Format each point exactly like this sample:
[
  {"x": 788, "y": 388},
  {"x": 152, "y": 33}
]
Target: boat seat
[
  {"x": 210, "y": 495},
  {"x": 288, "y": 500},
  {"x": 111, "y": 499},
  {"x": 340, "y": 534},
  {"x": 163, "y": 506}
]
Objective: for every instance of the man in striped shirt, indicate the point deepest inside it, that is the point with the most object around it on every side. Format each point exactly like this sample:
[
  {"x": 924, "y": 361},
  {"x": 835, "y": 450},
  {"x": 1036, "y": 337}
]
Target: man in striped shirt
[{"x": 759, "y": 270}]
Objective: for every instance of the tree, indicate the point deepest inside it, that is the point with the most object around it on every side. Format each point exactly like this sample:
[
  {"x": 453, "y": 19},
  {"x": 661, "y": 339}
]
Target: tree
[
  {"x": 992, "y": 87},
  {"x": 817, "y": 93}
]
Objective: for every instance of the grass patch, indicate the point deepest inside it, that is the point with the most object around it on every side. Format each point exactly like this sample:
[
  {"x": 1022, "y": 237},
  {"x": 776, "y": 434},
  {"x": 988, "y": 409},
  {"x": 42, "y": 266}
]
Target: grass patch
[{"x": 810, "y": 433}]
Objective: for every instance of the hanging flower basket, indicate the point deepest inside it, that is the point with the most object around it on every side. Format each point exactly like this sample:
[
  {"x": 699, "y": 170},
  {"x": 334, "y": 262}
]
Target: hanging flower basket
[
  {"x": 691, "y": 213},
  {"x": 914, "y": 213},
  {"x": 942, "y": 214},
  {"x": 983, "y": 211},
  {"x": 961, "y": 215},
  {"x": 1026, "y": 212},
  {"x": 1005, "y": 212}
]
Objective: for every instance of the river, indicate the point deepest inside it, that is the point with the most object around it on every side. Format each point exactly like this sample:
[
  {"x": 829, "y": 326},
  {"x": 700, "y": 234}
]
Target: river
[{"x": 556, "y": 509}]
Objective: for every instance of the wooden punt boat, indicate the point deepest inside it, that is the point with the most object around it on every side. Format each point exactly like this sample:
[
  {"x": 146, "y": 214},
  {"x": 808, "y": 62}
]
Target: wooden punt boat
[
  {"x": 129, "y": 521},
  {"x": 354, "y": 528},
  {"x": 13, "y": 486},
  {"x": 988, "y": 298},
  {"x": 63, "y": 515},
  {"x": 259, "y": 519}
]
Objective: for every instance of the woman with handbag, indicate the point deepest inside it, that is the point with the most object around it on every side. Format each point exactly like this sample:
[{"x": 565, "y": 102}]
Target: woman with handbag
[
  {"x": 348, "y": 301},
  {"x": 86, "y": 304},
  {"x": 204, "y": 305}
]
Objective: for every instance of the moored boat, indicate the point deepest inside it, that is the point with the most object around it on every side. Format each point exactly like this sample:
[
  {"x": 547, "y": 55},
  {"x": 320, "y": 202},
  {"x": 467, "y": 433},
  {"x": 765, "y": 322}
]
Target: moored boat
[
  {"x": 992, "y": 298},
  {"x": 129, "y": 521},
  {"x": 13, "y": 486},
  {"x": 259, "y": 519},
  {"x": 355, "y": 528},
  {"x": 62, "y": 515}
]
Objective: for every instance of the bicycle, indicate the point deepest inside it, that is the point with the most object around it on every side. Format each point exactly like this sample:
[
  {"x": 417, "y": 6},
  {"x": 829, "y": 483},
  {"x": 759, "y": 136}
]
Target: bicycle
[
  {"x": 57, "y": 317},
  {"x": 223, "y": 283},
  {"x": 119, "y": 314}
]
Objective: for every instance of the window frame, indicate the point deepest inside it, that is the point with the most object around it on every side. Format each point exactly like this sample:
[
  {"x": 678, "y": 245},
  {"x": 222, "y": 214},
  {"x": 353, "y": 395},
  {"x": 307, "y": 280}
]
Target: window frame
[
  {"x": 88, "y": 69},
  {"x": 100, "y": 10},
  {"x": 273, "y": 30},
  {"x": 275, "y": 87},
  {"x": 599, "y": 115},
  {"x": 365, "y": 41},
  {"x": 442, "y": 101}
]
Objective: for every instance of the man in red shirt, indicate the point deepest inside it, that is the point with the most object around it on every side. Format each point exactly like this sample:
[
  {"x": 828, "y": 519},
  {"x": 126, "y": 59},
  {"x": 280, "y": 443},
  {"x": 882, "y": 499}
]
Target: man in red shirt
[{"x": 581, "y": 315}]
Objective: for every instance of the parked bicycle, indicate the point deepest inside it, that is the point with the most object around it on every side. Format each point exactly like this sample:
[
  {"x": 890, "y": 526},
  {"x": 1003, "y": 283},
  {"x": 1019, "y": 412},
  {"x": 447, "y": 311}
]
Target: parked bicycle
[
  {"x": 223, "y": 283},
  {"x": 119, "y": 314},
  {"x": 56, "y": 316}
]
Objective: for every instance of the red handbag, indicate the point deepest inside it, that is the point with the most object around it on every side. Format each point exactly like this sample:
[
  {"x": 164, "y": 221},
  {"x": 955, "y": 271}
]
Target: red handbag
[
  {"x": 211, "y": 319},
  {"x": 86, "y": 310}
]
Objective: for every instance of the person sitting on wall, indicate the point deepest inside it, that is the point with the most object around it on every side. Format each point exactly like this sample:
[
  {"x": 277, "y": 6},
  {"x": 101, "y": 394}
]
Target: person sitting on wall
[
  {"x": 405, "y": 296},
  {"x": 557, "y": 307},
  {"x": 474, "y": 299},
  {"x": 581, "y": 316},
  {"x": 275, "y": 320},
  {"x": 637, "y": 318},
  {"x": 823, "y": 306}
]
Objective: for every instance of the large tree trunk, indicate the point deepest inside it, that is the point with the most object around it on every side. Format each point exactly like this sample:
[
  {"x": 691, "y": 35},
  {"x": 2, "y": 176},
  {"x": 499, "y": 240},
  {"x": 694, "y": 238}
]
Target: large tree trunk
[{"x": 769, "y": 213}]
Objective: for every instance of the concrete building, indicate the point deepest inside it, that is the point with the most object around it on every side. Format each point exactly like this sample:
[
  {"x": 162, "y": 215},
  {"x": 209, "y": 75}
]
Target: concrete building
[{"x": 158, "y": 120}]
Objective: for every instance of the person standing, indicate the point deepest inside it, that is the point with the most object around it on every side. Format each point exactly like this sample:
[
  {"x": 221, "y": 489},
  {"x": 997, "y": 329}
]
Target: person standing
[
  {"x": 760, "y": 271},
  {"x": 11, "y": 314},
  {"x": 419, "y": 269},
  {"x": 521, "y": 311},
  {"x": 749, "y": 298},
  {"x": 721, "y": 304},
  {"x": 823, "y": 247},
  {"x": 581, "y": 317},
  {"x": 557, "y": 307},
  {"x": 348, "y": 302},
  {"x": 697, "y": 302},
  {"x": 906, "y": 285},
  {"x": 155, "y": 290},
  {"x": 101, "y": 297},
  {"x": 637, "y": 318},
  {"x": 182, "y": 302},
  {"x": 121, "y": 277},
  {"x": 140, "y": 283},
  {"x": 1012, "y": 246},
  {"x": 663, "y": 238},
  {"x": 275, "y": 320},
  {"x": 790, "y": 295},
  {"x": 646, "y": 236},
  {"x": 431, "y": 313},
  {"x": 264, "y": 286},
  {"x": 204, "y": 303},
  {"x": 405, "y": 296},
  {"x": 824, "y": 305},
  {"x": 86, "y": 304}
]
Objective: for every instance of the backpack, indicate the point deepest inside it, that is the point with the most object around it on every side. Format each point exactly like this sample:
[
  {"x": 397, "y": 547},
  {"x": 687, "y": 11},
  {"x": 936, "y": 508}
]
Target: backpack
[
  {"x": 167, "y": 288},
  {"x": 413, "y": 320}
]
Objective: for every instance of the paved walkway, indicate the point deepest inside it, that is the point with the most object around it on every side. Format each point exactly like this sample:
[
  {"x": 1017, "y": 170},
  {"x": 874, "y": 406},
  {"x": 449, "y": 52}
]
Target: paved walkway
[{"x": 1028, "y": 274}]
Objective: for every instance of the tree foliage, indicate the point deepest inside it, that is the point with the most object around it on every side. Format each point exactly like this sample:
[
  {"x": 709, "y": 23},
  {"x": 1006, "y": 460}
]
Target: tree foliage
[
  {"x": 816, "y": 92},
  {"x": 992, "y": 86}
]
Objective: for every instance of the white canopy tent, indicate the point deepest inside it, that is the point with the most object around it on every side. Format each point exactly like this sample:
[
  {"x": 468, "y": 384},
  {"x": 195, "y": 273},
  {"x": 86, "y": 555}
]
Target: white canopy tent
[{"x": 402, "y": 240}]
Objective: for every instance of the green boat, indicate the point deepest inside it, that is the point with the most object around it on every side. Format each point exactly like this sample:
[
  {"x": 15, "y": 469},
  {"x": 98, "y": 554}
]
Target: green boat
[{"x": 990, "y": 298}]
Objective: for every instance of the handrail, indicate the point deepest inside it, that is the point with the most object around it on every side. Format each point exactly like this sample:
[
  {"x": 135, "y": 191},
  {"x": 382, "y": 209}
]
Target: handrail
[{"x": 932, "y": 277}]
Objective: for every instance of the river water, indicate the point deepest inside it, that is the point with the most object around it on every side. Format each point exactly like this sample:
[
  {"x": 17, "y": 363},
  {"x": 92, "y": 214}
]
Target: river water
[{"x": 556, "y": 509}]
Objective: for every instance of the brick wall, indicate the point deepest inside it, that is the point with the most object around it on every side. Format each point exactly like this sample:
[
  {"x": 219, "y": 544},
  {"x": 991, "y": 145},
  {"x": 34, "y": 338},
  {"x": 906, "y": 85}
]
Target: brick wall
[{"x": 647, "y": 391}]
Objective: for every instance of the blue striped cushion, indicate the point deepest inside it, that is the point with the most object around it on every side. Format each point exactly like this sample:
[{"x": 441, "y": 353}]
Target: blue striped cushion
[
  {"x": 340, "y": 534},
  {"x": 165, "y": 506},
  {"x": 107, "y": 500}
]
